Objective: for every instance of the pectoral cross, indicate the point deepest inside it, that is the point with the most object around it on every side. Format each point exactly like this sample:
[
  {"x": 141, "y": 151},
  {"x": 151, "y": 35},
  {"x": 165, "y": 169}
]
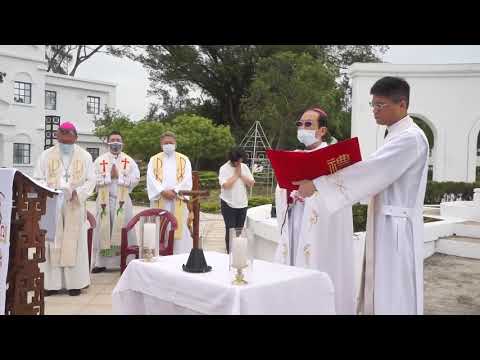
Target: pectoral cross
[
  {"x": 196, "y": 261},
  {"x": 125, "y": 162},
  {"x": 66, "y": 176},
  {"x": 104, "y": 163}
]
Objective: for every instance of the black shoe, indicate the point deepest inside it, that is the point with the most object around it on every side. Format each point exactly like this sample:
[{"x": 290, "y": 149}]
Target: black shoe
[
  {"x": 97, "y": 270},
  {"x": 51, "y": 292},
  {"x": 74, "y": 292}
]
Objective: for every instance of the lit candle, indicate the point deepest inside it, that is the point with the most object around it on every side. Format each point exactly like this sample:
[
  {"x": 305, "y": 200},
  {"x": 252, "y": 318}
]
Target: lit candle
[
  {"x": 239, "y": 252},
  {"x": 149, "y": 231}
]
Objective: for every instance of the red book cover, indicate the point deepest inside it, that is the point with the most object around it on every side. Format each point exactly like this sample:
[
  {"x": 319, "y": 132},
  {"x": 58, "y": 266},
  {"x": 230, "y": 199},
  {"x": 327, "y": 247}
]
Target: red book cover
[{"x": 292, "y": 166}]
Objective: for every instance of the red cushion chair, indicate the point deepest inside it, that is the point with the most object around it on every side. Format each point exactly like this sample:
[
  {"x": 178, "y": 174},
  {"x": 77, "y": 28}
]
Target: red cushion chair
[{"x": 166, "y": 218}]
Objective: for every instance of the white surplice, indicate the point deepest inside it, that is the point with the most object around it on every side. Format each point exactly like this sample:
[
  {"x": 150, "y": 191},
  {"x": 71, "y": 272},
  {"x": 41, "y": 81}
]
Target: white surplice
[
  {"x": 395, "y": 176},
  {"x": 132, "y": 179},
  {"x": 318, "y": 241},
  {"x": 78, "y": 276},
  {"x": 155, "y": 187}
]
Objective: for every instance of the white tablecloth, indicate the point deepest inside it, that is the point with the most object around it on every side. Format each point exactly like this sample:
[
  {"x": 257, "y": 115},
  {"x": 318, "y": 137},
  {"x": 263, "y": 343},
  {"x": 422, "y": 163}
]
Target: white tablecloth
[{"x": 163, "y": 287}]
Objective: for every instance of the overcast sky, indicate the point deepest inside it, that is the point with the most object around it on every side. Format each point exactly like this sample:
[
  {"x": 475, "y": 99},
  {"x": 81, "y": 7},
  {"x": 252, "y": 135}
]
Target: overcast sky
[{"x": 132, "y": 82}]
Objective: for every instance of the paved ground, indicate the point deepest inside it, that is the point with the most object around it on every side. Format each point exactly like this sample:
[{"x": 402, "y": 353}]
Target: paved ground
[{"x": 452, "y": 284}]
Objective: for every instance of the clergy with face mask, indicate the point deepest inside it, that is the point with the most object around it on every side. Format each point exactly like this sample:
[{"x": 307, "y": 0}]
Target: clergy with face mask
[
  {"x": 69, "y": 168},
  {"x": 312, "y": 239},
  {"x": 394, "y": 177},
  {"x": 168, "y": 173},
  {"x": 117, "y": 175}
]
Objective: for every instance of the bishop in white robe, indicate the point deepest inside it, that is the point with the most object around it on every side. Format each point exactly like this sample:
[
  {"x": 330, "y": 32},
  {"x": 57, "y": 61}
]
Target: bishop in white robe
[
  {"x": 168, "y": 173},
  {"x": 69, "y": 168},
  {"x": 317, "y": 240},
  {"x": 117, "y": 174},
  {"x": 394, "y": 177}
]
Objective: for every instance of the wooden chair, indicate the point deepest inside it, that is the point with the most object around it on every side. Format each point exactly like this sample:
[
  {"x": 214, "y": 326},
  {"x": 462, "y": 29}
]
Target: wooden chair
[
  {"x": 163, "y": 218},
  {"x": 93, "y": 223}
]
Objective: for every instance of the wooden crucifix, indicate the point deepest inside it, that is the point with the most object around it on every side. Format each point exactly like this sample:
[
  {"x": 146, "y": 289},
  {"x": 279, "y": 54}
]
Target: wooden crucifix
[{"x": 196, "y": 261}]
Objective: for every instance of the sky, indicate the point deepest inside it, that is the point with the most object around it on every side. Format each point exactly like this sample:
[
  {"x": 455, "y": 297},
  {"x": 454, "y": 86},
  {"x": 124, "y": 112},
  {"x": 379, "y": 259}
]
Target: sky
[{"x": 132, "y": 79}]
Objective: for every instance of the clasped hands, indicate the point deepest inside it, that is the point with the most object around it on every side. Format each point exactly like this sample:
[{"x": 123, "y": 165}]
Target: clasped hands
[
  {"x": 306, "y": 188},
  {"x": 169, "y": 194}
]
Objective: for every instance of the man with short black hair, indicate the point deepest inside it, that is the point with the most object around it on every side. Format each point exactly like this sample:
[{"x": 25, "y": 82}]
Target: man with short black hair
[
  {"x": 395, "y": 178},
  {"x": 117, "y": 175}
]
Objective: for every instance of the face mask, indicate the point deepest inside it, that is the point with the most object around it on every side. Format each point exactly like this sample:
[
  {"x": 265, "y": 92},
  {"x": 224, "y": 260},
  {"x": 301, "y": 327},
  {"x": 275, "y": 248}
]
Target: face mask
[
  {"x": 115, "y": 147},
  {"x": 168, "y": 148},
  {"x": 66, "y": 149},
  {"x": 306, "y": 137}
]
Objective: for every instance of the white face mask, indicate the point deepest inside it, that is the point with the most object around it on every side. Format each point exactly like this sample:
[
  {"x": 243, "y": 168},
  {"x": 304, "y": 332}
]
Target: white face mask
[
  {"x": 65, "y": 149},
  {"x": 306, "y": 137},
  {"x": 168, "y": 148}
]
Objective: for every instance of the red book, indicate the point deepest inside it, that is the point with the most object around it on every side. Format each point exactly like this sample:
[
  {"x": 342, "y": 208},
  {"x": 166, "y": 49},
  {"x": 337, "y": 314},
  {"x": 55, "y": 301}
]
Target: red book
[{"x": 292, "y": 166}]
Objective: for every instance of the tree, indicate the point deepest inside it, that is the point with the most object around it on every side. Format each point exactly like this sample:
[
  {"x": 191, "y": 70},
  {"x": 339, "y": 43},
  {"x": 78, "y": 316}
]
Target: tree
[
  {"x": 222, "y": 74},
  {"x": 200, "y": 139},
  {"x": 59, "y": 57},
  {"x": 197, "y": 137},
  {"x": 286, "y": 84}
]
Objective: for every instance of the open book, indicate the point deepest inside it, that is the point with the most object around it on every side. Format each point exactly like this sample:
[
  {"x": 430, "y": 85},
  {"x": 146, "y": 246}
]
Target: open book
[{"x": 292, "y": 166}]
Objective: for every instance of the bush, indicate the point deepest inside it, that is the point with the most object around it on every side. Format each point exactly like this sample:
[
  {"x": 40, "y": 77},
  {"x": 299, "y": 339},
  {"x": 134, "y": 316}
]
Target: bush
[
  {"x": 435, "y": 190},
  {"x": 359, "y": 213},
  {"x": 259, "y": 200},
  {"x": 210, "y": 207}
]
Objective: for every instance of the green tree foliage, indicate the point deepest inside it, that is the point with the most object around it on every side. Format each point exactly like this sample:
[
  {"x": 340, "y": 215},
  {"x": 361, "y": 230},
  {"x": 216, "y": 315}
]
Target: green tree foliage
[
  {"x": 222, "y": 74},
  {"x": 197, "y": 137},
  {"x": 285, "y": 84}
]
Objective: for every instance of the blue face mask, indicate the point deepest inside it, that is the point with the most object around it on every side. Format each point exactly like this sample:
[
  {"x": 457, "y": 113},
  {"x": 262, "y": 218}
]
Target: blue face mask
[{"x": 66, "y": 149}]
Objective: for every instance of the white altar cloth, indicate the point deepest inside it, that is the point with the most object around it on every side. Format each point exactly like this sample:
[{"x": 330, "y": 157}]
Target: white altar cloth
[{"x": 163, "y": 288}]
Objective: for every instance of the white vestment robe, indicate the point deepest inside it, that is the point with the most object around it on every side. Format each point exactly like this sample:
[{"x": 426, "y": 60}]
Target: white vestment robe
[
  {"x": 77, "y": 276},
  {"x": 395, "y": 176},
  {"x": 318, "y": 241},
  {"x": 155, "y": 187},
  {"x": 131, "y": 179}
]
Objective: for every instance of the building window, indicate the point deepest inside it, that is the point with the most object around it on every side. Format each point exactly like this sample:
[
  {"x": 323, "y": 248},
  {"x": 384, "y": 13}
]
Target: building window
[
  {"x": 21, "y": 153},
  {"x": 94, "y": 152},
  {"x": 23, "y": 92},
  {"x": 50, "y": 100},
  {"x": 93, "y": 105}
]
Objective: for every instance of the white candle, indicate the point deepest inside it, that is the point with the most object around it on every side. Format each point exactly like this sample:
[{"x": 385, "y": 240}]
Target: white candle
[
  {"x": 149, "y": 231},
  {"x": 239, "y": 252}
]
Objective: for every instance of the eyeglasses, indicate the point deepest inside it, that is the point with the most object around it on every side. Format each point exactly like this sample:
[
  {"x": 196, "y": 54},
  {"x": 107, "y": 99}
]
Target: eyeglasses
[
  {"x": 306, "y": 124},
  {"x": 378, "y": 106}
]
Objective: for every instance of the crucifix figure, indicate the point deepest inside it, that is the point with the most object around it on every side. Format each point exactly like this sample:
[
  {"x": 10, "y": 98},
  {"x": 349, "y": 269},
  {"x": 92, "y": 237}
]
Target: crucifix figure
[{"x": 196, "y": 261}]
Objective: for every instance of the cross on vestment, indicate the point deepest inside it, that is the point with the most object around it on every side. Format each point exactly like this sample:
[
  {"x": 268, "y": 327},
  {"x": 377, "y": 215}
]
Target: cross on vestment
[
  {"x": 196, "y": 194},
  {"x": 125, "y": 162},
  {"x": 104, "y": 163}
]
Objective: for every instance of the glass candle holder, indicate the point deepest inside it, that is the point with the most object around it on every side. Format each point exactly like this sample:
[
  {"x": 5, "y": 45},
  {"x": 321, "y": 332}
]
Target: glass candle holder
[{"x": 241, "y": 259}]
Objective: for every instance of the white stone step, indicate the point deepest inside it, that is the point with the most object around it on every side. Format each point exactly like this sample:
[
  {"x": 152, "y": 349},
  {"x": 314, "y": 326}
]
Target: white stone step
[{"x": 468, "y": 247}]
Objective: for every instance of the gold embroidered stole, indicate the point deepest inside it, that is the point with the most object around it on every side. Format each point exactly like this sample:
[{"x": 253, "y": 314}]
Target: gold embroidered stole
[
  {"x": 69, "y": 224},
  {"x": 179, "y": 205},
  {"x": 110, "y": 237}
]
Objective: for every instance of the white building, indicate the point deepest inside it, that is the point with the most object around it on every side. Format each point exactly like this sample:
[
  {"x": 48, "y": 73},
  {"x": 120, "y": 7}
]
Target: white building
[
  {"x": 30, "y": 96},
  {"x": 446, "y": 97}
]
